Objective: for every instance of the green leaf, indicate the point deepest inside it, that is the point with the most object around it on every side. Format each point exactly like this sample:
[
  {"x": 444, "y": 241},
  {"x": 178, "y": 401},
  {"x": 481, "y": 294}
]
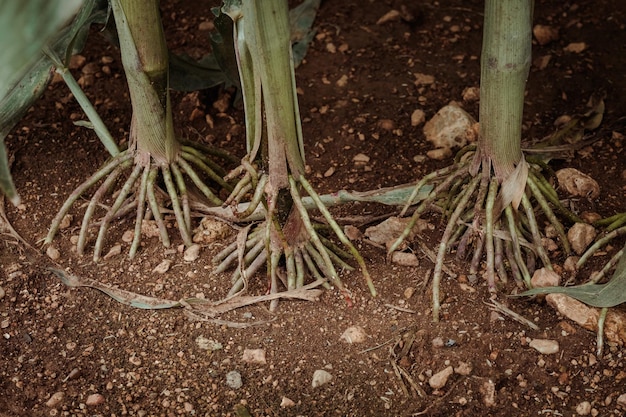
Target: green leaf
[
  {"x": 610, "y": 294},
  {"x": 22, "y": 87}
]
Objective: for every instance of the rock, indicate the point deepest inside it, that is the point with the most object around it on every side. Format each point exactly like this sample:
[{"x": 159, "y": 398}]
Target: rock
[
  {"x": 163, "y": 267},
  {"x": 621, "y": 400},
  {"x": 570, "y": 263},
  {"x": 208, "y": 344},
  {"x": 55, "y": 399},
  {"x": 408, "y": 292},
  {"x": 450, "y": 128},
  {"x": 388, "y": 231},
  {"x": 488, "y": 390},
  {"x": 94, "y": 399},
  {"x": 423, "y": 79},
  {"x": 320, "y": 377},
  {"x": 114, "y": 251},
  {"x": 361, "y": 159},
  {"x": 286, "y": 402},
  {"x": 354, "y": 334},
  {"x": 440, "y": 379},
  {"x": 439, "y": 154},
  {"x": 211, "y": 230},
  {"x": 437, "y": 342},
  {"x": 352, "y": 233},
  {"x": 587, "y": 317},
  {"x": 255, "y": 356},
  {"x": 386, "y": 124},
  {"x": 471, "y": 94},
  {"x": 575, "y": 47},
  {"x": 192, "y": 253},
  {"x": 342, "y": 81},
  {"x": 545, "y": 34},
  {"x": 2, "y": 293},
  {"x": 545, "y": 346},
  {"x": 405, "y": 259},
  {"x": 580, "y": 236},
  {"x": 66, "y": 221},
  {"x": 390, "y": 16},
  {"x": 417, "y": 117},
  {"x": 545, "y": 278},
  {"x": 584, "y": 408},
  {"x": 464, "y": 368},
  {"x": 578, "y": 184},
  {"x": 53, "y": 253},
  {"x": 233, "y": 380}
]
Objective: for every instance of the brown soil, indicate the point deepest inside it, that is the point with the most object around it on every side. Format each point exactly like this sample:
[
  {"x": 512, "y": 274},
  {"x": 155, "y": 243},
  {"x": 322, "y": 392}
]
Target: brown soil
[{"x": 149, "y": 363}]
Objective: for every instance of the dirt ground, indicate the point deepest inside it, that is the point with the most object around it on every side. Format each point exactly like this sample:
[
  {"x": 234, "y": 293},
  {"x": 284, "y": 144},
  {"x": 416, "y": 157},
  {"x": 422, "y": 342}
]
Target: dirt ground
[{"x": 69, "y": 352}]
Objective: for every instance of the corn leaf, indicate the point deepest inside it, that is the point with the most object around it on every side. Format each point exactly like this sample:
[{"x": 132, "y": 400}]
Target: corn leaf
[
  {"x": 610, "y": 294},
  {"x": 21, "y": 87}
]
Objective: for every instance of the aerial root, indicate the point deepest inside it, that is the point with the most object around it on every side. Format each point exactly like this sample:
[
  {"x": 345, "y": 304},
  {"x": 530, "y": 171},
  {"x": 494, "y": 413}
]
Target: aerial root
[
  {"x": 141, "y": 193},
  {"x": 291, "y": 252},
  {"x": 509, "y": 241}
]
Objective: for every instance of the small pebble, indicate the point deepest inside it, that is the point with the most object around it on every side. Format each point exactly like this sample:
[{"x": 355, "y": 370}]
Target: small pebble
[
  {"x": 53, "y": 253},
  {"x": 320, "y": 377},
  {"x": 233, "y": 380},
  {"x": 192, "y": 253},
  {"x": 440, "y": 379},
  {"x": 255, "y": 356},
  {"x": 621, "y": 400},
  {"x": 437, "y": 342},
  {"x": 545, "y": 346},
  {"x": 354, "y": 334},
  {"x": 545, "y": 278},
  {"x": 404, "y": 259},
  {"x": 584, "y": 408},
  {"x": 95, "y": 399},
  {"x": 163, "y": 267},
  {"x": 286, "y": 402},
  {"x": 55, "y": 399}
]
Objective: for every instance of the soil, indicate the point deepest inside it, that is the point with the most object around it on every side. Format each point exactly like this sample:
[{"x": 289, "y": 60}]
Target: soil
[{"x": 61, "y": 346}]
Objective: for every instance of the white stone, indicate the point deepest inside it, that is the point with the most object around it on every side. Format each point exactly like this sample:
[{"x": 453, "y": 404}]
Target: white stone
[
  {"x": 233, "y": 380},
  {"x": 320, "y": 377},
  {"x": 545, "y": 346},
  {"x": 286, "y": 402},
  {"x": 354, "y": 334},
  {"x": 584, "y": 408},
  {"x": 440, "y": 379},
  {"x": 208, "y": 344}
]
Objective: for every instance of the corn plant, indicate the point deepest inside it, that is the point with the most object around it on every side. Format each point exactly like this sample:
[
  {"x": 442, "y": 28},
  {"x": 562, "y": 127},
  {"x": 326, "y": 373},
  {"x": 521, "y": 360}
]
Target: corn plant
[
  {"x": 490, "y": 193},
  {"x": 273, "y": 169}
]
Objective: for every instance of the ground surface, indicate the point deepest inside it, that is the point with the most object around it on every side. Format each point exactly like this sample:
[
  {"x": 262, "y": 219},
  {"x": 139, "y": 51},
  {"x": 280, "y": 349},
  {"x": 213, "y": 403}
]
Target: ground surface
[{"x": 80, "y": 342}]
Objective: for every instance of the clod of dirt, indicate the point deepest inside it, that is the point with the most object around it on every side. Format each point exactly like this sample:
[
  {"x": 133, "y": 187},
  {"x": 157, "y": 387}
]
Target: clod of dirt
[
  {"x": 388, "y": 231},
  {"x": 320, "y": 377},
  {"x": 488, "y": 390},
  {"x": 450, "y": 128},
  {"x": 578, "y": 184},
  {"x": 583, "y": 408},
  {"x": 255, "y": 356},
  {"x": 580, "y": 236},
  {"x": 114, "y": 251},
  {"x": 464, "y": 368},
  {"x": 545, "y": 346},
  {"x": 545, "y": 34},
  {"x": 352, "y": 233},
  {"x": 353, "y": 334},
  {"x": 575, "y": 47},
  {"x": 471, "y": 94},
  {"x": 440, "y": 379},
  {"x": 545, "y": 278}
]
